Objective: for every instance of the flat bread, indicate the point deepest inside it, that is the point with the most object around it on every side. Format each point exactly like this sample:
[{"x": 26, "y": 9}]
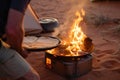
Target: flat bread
[{"x": 32, "y": 42}]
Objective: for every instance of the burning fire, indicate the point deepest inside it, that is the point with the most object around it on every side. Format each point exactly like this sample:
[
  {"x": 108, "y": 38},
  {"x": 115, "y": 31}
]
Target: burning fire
[
  {"x": 77, "y": 41},
  {"x": 76, "y": 36}
]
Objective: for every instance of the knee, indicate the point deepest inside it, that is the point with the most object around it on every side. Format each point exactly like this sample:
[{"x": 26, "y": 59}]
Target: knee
[{"x": 30, "y": 75}]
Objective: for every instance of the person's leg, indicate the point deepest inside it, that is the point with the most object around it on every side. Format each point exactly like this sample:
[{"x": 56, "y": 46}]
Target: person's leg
[
  {"x": 30, "y": 75},
  {"x": 15, "y": 67}
]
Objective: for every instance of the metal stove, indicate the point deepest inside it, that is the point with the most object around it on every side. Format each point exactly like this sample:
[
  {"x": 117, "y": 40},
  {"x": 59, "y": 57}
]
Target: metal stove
[{"x": 69, "y": 66}]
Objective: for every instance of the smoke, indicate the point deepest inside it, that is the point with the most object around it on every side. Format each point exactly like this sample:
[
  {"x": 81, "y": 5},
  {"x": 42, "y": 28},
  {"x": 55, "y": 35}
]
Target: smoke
[{"x": 74, "y": 5}]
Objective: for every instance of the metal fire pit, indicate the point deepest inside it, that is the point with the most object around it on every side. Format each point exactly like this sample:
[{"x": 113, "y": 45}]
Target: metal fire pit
[{"x": 69, "y": 66}]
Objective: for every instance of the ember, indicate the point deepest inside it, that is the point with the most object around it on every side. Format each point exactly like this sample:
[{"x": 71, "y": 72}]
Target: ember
[{"x": 77, "y": 42}]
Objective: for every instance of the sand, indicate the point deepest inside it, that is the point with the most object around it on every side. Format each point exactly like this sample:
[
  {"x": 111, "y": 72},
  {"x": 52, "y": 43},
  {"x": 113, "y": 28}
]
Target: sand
[{"x": 101, "y": 23}]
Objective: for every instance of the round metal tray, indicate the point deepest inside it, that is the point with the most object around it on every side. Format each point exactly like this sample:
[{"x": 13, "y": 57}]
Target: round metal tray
[{"x": 44, "y": 48}]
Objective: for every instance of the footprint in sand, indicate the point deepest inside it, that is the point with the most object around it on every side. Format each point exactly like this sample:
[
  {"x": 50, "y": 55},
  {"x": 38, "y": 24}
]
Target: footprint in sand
[
  {"x": 110, "y": 64},
  {"x": 105, "y": 60},
  {"x": 95, "y": 64},
  {"x": 99, "y": 53},
  {"x": 106, "y": 63}
]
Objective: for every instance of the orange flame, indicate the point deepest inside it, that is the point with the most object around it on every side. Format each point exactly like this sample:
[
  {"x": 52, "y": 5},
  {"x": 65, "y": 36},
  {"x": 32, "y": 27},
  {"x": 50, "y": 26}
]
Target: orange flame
[{"x": 76, "y": 37}]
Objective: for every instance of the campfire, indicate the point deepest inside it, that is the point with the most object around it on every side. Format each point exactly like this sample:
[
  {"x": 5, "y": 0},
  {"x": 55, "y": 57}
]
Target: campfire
[
  {"x": 76, "y": 43},
  {"x": 72, "y": 57}
]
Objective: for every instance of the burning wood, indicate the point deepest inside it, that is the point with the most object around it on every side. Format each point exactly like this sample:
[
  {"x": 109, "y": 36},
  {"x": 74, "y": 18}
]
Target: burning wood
[
  {"x": 87, "y": 45},
  {"x": 62, "y": 50},
  {"x": 77, "y": 43}
]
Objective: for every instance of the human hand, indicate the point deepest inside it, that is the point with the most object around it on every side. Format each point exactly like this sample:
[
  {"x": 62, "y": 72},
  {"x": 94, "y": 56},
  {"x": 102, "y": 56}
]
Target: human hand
[{"x": 24, "y": 53}]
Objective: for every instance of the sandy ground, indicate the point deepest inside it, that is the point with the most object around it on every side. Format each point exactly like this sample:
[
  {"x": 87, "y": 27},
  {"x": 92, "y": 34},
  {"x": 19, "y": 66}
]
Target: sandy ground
[{"x": 101, "y": 24}]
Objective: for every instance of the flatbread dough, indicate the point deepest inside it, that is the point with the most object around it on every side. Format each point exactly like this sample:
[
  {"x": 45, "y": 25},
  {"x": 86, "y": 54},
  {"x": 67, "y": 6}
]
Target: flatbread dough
[{"x": 32, "y": 42}]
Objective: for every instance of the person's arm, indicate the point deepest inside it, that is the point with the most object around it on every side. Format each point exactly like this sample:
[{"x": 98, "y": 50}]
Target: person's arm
[{"x": 14, "y": 28}]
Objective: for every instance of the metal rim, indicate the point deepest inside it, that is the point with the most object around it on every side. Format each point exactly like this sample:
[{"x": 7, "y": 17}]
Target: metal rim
[{"x": 45, "y": 48}]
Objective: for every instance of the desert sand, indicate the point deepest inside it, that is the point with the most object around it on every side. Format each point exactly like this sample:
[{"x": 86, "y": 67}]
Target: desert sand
[{"x": 101, "y": 23}]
